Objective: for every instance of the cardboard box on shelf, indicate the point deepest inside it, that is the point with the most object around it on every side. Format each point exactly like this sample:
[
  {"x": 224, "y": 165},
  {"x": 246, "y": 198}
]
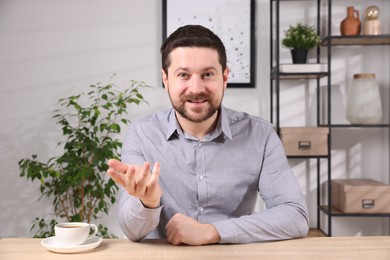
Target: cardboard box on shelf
[
  {"x": 360, "y": 196},
  {"x": 305, "y": 141}
]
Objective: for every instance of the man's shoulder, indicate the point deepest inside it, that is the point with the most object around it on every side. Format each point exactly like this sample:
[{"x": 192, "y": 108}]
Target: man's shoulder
[
  {"x": 234, "y": 117},
  {"x": 158, "y": 118}
]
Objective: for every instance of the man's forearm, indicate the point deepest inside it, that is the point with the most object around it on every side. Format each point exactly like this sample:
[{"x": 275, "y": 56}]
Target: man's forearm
[
  {"x": 279, "y": 223},
  {"x": 135, "y": 220}
]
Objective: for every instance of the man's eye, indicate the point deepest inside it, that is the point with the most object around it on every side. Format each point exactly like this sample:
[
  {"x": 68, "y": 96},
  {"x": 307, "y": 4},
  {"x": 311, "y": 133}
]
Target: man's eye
[
  {"x": 208, "y": 75},
  {"x": 182, "y": 75}
]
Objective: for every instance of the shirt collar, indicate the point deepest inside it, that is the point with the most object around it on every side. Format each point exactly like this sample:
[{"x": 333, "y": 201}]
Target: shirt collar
[
  {"x": 172, "y": 124},
  {"x": 222, "y": 125}
]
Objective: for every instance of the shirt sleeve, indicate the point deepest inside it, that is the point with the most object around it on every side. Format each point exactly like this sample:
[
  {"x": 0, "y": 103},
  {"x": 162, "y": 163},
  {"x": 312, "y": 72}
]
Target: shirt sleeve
[
  {"x": 134, "y": 219},
  {"x": 286, "y": 215}
]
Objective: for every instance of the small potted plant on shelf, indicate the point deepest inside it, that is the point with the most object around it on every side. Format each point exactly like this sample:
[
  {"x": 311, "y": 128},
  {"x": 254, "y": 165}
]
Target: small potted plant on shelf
[{"x": 300, "y": 39}]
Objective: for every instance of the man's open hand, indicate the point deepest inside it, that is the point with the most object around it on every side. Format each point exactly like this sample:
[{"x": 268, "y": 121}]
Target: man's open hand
[{"x": 138, "y": 181}]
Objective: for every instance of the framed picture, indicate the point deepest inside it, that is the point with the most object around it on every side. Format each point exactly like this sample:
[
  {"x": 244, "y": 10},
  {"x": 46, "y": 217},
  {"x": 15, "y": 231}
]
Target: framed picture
[{"x": 232, "y": 21}]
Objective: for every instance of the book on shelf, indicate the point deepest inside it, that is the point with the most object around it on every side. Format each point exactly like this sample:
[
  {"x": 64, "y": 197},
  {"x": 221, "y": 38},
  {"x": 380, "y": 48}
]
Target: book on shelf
[{"x": 302, "y": 68}]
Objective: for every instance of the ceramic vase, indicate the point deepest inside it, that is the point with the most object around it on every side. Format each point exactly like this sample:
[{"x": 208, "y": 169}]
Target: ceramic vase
[
  {"x": 363, "y": 100},
  {"x": 351, "y": 25}
]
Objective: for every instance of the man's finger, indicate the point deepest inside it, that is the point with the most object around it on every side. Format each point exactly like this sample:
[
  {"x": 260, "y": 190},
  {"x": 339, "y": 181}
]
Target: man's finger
[
  {"x": 143, "y": 177},
  {"x": 155, "y": 175},
  {"x": 171, "y": 224},
  {"x": 130, "y": 184},
  {"x": 117, "y": 178},
  {"x": 117, "y": 165},
  {"x": 169, "y": 233}
]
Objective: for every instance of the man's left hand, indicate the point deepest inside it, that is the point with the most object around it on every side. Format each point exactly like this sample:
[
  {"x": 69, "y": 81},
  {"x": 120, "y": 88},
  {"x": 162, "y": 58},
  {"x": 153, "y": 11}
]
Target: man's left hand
[{"x": 181, "y": 229}]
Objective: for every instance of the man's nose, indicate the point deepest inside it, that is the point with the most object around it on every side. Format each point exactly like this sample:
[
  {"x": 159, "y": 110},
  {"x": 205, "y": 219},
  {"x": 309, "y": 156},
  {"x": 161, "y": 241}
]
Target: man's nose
[{"x": 196, "y": 84}]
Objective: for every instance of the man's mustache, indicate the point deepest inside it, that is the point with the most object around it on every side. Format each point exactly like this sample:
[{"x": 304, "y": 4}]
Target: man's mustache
[{"x": 196, "y": 97}]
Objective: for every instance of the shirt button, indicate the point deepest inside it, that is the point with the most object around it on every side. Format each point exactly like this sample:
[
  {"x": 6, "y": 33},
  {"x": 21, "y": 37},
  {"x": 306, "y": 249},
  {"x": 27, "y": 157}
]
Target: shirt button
[
  {"x": 201, "y": 209},
  {"x": 199, "y": 144},
  {"x": 201, "y": 177}
]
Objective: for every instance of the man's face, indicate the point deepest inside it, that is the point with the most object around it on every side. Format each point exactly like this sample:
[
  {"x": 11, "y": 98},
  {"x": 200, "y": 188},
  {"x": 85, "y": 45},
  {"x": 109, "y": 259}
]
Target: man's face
[{"x": 195, "y": 82}]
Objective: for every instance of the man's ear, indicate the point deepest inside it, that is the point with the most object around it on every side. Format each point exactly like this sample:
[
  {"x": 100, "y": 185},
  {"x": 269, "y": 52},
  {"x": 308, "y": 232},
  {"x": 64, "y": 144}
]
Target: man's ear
[
  {"x": 226, "y": 77},
  {"x": 164, "y": 77}
]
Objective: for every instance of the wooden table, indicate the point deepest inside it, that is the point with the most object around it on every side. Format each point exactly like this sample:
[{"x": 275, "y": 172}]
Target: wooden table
[{"x": 313, "y": 248}]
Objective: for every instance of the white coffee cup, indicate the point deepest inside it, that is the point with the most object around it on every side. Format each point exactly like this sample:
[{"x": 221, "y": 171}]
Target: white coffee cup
[{"x": 74, "y": 233}]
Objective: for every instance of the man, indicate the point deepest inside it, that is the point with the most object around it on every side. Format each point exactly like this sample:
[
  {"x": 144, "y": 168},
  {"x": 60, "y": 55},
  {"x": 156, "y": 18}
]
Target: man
[{"x": 209, "y": 162}]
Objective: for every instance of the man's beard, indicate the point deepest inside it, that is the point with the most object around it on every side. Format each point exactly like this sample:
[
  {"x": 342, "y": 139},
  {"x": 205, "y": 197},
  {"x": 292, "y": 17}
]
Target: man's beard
[{"x": 213, "y": 107}]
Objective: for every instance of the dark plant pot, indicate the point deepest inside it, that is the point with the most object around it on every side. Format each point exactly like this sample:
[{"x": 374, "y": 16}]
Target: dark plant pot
[{"x": 299, "y": 55}]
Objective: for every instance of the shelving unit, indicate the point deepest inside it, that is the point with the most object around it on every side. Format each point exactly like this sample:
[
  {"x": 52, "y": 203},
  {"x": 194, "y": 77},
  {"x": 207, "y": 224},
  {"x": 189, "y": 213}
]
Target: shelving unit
[{"x": 329, "y": 41}]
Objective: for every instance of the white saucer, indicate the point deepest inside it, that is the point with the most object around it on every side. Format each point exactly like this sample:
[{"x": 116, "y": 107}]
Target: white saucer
[{"x": 52, "y": 244}]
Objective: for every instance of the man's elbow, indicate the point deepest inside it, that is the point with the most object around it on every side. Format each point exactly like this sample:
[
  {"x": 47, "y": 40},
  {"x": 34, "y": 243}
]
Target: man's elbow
[{"x": 302, "y": 223}]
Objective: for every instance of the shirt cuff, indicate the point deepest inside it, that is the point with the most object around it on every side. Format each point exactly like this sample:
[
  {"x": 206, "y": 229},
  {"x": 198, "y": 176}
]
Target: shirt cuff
[
  {"x": 229, "y": 233},
  {"x": 141, "y": 211}
]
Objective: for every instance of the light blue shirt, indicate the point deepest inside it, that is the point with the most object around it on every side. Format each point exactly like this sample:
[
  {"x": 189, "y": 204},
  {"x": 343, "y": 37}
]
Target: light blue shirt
[{"x": 215, "y": 180}]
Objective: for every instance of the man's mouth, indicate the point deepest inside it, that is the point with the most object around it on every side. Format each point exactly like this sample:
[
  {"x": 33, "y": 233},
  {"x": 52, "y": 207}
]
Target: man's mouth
[{"x": 197, "y": 101}]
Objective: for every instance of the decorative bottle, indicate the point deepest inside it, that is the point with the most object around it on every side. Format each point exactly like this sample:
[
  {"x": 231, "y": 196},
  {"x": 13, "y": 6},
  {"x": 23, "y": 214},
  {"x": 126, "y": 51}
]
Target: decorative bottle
[
  {"x": 364, "y": 104},
  {"x": 351, "y": 24}
]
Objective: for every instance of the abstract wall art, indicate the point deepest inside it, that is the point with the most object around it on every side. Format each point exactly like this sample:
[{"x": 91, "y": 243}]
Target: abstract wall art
[{"x": 231, "y": 20}]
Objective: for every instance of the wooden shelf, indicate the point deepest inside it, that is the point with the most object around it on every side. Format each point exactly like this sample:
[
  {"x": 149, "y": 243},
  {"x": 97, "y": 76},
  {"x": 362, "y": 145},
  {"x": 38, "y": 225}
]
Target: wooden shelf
[
  {"x": 288, "y": 76},
  {"x": 298, "y": 75},
  {"x": 356, "y": 125},
  {"x": 314, "y": 232},
  {"x": 337, "y": 213},
  {"x": 304, "y": 157},
  {"x": 383, "y": 39}
]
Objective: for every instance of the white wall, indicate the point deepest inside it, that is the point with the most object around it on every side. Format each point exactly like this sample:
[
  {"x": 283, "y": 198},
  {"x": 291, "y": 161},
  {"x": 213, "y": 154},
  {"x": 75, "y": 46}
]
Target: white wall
[{"x": 49, "y": 49}]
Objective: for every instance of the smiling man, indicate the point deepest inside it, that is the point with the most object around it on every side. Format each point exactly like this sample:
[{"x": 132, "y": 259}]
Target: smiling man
[{"x": 209, "y": 162}]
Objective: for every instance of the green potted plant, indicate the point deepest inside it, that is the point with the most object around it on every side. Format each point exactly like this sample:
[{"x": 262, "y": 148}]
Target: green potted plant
[
  {"x": 76, "y": 180},
  {"x": 300, "y": 38}
]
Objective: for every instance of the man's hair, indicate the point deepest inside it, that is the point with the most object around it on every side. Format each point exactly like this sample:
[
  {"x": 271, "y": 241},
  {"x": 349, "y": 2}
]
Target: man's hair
[{"x": 192, "y": 36}]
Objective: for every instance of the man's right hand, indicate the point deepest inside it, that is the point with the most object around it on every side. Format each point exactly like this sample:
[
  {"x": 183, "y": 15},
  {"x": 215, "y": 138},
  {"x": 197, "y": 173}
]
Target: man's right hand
[{"x": 137, "y": 181}]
